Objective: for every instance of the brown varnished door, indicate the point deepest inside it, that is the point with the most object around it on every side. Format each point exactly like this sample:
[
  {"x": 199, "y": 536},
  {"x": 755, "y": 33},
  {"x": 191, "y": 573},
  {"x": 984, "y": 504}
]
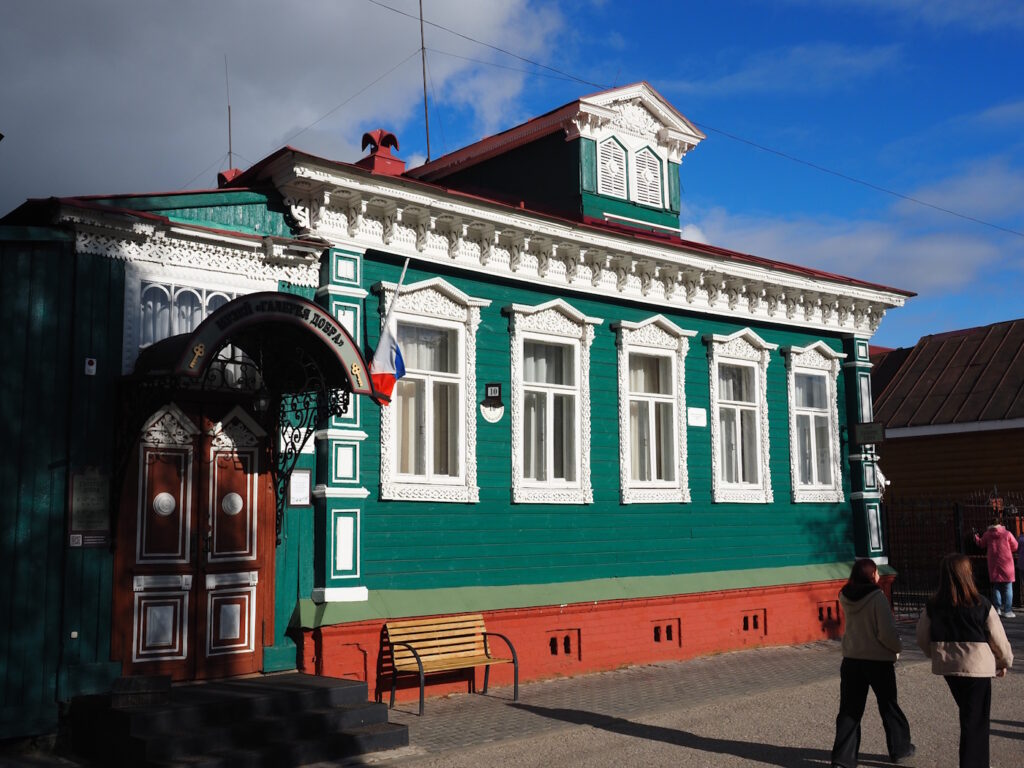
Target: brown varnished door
[{"x": 195, "y": 539}]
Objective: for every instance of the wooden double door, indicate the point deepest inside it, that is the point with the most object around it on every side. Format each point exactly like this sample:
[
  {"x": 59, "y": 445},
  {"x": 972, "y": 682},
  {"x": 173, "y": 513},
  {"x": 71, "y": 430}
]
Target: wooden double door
[{"x": 194, "y": 553}]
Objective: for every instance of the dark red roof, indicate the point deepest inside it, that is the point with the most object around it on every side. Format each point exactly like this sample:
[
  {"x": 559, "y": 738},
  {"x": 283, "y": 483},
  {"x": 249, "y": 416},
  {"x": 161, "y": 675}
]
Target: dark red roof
[{"x": 960, "y": 377}]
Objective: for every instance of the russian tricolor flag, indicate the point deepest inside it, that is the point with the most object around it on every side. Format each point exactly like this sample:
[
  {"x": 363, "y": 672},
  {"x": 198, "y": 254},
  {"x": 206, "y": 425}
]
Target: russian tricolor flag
[{"x": 387, "y": 366}]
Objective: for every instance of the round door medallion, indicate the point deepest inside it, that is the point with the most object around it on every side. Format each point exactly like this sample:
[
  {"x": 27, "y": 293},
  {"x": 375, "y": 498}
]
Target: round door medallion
[
  {"x": 164, "y": 504},
  {"x": 232, "y": 504}
]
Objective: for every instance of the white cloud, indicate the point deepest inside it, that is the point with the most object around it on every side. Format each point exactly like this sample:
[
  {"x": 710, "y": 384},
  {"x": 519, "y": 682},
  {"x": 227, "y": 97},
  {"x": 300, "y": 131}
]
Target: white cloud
[
  {"x": 990, "y": 190},
  {"x": 128, "y": 96},
  {"x": 813, "y": 67}
]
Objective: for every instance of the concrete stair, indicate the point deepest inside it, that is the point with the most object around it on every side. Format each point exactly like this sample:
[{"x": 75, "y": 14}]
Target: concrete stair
[{"x": 277, "y": 720}]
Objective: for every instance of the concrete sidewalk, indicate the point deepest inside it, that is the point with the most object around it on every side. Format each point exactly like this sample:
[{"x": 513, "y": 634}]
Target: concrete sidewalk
[{"x": 764, "y": 707}]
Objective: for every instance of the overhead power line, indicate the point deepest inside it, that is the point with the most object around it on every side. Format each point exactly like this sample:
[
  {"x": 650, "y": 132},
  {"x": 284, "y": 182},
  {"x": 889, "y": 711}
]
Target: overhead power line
[
  {"x": 488, "y": 45},
  {"x": 362, "y": 90},
  {"x": 855, "y": 180},
  {"x": 703, "y": 126}
]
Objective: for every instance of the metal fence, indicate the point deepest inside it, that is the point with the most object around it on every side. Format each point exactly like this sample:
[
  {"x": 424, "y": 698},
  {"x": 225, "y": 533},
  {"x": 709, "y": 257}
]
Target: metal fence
[{"x": 922, "y": 531}]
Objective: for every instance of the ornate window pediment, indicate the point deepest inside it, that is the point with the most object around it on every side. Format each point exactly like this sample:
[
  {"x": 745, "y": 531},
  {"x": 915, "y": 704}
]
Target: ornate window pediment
[
  {"x": 815, "y": 458},
  {"x": 652, "y": 411},
  {"x": 740, "y": 466},
  {"x": 437, "y": 398},
  {"x": 550, "y": 348}
]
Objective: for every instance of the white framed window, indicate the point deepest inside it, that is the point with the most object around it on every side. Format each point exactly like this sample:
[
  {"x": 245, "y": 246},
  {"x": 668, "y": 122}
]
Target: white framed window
[
  {"x": 551, "y": 411},
  {"x": 815, "y": 465},
  {"x": 550, "y": 351},
  {"x": 163, "y": 301},
  {"x": 428, "y": 432},
  {"x": 739, "y": 424},
  {"x": 652, "y": 411},
  {"x": 611, "y": 169},
  {"x": 647, "y": 178},
  {"x": 429, "y": 422}
]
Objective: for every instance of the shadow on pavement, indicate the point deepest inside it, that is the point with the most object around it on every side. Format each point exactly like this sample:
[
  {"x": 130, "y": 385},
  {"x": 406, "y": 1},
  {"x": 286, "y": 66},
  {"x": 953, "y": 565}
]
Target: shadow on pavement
[{"x": 784, "y": 757}]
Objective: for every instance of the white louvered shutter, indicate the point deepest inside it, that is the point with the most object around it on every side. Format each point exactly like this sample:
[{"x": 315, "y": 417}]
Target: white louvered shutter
[
  {"x": 648, "y": 178},
  {"x": 612, "y": 170}
]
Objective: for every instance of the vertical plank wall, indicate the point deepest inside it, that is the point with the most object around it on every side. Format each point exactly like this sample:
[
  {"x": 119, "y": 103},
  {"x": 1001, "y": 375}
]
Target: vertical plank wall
[
  {"x": 409, "y": 545},
  {"x": 54, "y": 311}
]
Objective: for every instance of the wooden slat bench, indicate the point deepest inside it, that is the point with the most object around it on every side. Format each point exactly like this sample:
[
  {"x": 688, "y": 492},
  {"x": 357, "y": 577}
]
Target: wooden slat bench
[{"x": 424, "y": 646}]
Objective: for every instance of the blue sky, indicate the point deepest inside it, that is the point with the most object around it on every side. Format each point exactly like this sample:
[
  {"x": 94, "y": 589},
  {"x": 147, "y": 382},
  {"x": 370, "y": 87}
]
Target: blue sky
[{"x": 925, "y": 99}]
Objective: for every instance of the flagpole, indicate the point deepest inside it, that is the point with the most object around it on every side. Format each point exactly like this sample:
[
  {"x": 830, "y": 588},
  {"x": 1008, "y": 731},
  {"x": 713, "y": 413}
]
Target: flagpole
[
  {"x": 391, "y": 337},
  {"x": 394, "y": 300}
]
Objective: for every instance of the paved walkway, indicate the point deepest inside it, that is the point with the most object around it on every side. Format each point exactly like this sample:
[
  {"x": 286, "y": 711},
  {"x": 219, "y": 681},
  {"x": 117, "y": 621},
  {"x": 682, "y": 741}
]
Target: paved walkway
[{"x": 764, "y": 707}]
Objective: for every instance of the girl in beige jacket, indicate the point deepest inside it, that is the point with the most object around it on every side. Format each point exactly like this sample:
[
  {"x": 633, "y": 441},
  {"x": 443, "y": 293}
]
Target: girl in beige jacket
[{"x": 960, "y": 632}]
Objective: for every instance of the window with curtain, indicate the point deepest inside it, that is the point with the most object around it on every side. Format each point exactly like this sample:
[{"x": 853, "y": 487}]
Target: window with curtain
[
  {"x": 814, "y": 451},
  {"x": 428, "y": 403},
  {"x": 738, "y": 422},
  {"x": 550, "y": 412},
  {"x": 168, "y": 310},
  {"x": 652, "y": 419},
  {"x": 813, "y": 435}
]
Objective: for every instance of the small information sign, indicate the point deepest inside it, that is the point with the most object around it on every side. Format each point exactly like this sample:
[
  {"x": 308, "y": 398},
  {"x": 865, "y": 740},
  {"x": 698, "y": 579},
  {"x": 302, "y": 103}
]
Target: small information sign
[{"x": 90, "y": 509}]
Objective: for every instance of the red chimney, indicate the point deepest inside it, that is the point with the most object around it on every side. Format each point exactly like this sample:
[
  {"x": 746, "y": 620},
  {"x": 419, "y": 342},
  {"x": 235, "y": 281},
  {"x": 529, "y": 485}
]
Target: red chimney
[
  {"x": 224, "y": 178},
  {"x": 380, "y": 160}
]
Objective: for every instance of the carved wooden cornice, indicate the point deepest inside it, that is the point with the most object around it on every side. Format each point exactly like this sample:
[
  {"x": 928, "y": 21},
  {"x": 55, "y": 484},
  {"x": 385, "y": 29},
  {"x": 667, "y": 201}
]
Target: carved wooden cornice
[{"x": 430, "y": 225}]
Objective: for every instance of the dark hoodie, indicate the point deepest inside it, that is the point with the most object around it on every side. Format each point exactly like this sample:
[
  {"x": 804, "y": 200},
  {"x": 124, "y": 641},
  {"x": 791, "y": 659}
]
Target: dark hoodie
[{"x": 870, "y": 628}]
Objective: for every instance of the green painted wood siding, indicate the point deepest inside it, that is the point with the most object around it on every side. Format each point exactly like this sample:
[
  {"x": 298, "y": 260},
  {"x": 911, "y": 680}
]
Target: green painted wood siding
[
  {"x": 56, "y": 311},
  {"x": 410, "y": 545},
  {"x": 242, "y": 211}
]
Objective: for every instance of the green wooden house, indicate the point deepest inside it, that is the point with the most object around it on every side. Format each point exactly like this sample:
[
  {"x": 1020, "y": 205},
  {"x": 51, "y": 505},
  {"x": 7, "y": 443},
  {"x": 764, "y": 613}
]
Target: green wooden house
[{"x": 618, "y": 445}]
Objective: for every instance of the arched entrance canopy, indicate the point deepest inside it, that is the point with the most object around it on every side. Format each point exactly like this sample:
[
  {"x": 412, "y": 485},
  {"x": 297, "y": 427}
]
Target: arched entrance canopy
[
  {"x": 298, "y": 368},
  {"x": 293, "y": 322}
]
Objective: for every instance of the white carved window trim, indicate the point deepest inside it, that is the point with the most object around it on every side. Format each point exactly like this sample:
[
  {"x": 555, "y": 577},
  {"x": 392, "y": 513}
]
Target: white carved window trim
[
  {"x": 656, "y": 336},
  {"x": 174, "y": 281},
  {"x": 744, "y": 347},
  {"x": 420, "y": 303},
  {"x": 555, "y": 322},
  {"x": 818, "y": 358},
  {"x": 648, "y": 189},
  {"x": 612, "y": 183},
  {"x": 458, "y": 378}
]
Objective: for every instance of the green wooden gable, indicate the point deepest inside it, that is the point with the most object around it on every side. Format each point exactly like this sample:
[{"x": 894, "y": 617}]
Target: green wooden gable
[{"x": 246, "y": 211}]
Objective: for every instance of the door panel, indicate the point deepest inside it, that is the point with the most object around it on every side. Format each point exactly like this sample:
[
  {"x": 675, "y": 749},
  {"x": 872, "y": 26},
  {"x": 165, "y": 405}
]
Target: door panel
[
  {"x": 190, "y": 589},
  {"x": 165, "y": 505}
]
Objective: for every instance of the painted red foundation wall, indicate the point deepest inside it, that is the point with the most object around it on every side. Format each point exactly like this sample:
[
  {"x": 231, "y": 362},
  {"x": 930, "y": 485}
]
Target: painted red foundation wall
[{"x": 556, "y": 641}]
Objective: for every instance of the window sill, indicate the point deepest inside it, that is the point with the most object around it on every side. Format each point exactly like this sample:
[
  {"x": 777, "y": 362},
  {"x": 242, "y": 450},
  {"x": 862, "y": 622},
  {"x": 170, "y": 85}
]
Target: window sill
[
  {"x": 637, "y": 494},
  {"x": 742, "y": 495},
  {"x": 819, "y": 495},
  {"x": 458, "y": 494},
  {"x": 551, "y": 494}
]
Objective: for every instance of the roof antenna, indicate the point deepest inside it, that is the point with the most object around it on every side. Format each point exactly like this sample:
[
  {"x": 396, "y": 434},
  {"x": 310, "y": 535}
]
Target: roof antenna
[
  {"x": 227, "y": 86},
  {"x": 423, "y": 55}
]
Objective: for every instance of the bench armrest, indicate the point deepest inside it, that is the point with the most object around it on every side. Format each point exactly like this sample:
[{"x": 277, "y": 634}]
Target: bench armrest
[
  {"x": 415, "y": 654},
  {"x": 508, "y": 642}
]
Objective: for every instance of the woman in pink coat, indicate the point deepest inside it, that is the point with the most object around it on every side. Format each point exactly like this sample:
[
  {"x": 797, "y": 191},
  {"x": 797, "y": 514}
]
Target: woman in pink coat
[{"x": 999, "y": 545}]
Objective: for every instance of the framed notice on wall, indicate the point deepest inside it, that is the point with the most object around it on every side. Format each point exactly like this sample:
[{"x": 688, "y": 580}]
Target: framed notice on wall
[
  {"x": 89, "y": 517},
  {"x": 299, "y": 488}
]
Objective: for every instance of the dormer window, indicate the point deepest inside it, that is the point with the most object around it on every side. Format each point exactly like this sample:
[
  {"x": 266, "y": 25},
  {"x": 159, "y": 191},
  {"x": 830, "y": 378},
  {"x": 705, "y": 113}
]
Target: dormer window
[
  {"x": 611, "y": 176},
  {"x": 648, "y": 178}
]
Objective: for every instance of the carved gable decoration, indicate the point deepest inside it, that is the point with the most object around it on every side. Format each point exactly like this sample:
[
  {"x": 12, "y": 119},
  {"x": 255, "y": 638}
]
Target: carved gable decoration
[
  {"x": 639, "y": 116},
  {"x": 169, "y": 426},
  {"x": 237, "y": 430}
]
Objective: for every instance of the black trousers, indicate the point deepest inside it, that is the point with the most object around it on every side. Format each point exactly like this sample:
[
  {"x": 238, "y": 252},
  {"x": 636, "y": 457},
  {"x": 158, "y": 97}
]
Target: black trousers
[
  {"x": 856, "y": 676},
  {"x": 973, "y": 695}
]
